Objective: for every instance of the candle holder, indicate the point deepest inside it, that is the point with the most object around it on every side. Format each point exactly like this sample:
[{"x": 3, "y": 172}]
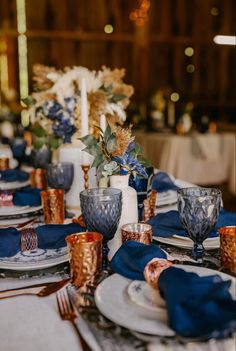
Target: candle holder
[{"x": 86, "y": 169}]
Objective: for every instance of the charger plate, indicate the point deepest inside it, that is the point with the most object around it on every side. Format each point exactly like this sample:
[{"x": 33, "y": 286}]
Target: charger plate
[
  {"x": 187, "y": 243},
  {"x": 113, "y": 302},
  {"x": 13, "y": 185}
]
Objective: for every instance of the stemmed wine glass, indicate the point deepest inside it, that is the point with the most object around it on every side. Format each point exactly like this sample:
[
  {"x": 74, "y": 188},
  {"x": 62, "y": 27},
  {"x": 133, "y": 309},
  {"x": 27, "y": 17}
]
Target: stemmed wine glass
[
  {"x": 199, "y": 209},
  {"x": 60, "y": 175},
  {"x": 101, "y": 209}
]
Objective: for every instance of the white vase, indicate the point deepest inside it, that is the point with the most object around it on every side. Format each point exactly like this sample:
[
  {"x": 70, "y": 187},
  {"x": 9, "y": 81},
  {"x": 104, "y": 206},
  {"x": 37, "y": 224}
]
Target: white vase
[
  {"x": 129, "y": 213},
  {"x": 73, "y": 153}
]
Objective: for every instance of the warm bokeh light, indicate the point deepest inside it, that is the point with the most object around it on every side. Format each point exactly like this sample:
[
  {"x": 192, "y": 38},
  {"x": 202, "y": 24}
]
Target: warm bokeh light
[
  {"x": 215, "y": 11},
  {"x": 108, "y": 29},
  {"x": 174, "y": 97},
  {"x": 190, "y": 68},
  {"x": 225, "y": 39},
  {"x": 189, "y": 51}
]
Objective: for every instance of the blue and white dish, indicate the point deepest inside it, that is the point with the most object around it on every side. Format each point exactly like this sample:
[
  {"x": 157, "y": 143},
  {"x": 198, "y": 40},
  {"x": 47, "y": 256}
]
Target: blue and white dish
[{"x": 35, "y": 259}]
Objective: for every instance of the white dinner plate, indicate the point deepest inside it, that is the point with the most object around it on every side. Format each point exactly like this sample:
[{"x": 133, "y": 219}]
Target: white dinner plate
[
  {"x": 112, "y": 300},
  {"x": 166, "y": 198},
  {"x": 13, "y": 185},
  {"x": 15, "y": 211},
  {"x": 36, "y": 259},
  {"x": 209, "y": 244}
]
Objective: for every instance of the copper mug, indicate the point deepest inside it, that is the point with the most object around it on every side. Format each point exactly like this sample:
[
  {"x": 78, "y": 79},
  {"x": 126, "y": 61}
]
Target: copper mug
[
  {"x": 228, "y": 247},
  {"x": 140, "y": 232},
  {"x": 38, "y": 178},
  {"x": 53, "y": 206},
  {"x": 4, "y": 163},
  {"x": 85, "y": 255}
]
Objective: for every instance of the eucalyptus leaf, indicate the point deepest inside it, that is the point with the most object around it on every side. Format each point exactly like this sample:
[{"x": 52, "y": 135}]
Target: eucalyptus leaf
[
  {"x": 145, "y": 162},
  {"x": 111, "y": 143},
  {"x": 54, "y": 143},
  {"x": 117, "y": 97},
  {"x": 39, "y": 131},
  {"x": 89, "y": 140},
  {"x": 107, "y": 133},
  {"x": 39, "y": 143},
  {"x": 29, "y": 101}
]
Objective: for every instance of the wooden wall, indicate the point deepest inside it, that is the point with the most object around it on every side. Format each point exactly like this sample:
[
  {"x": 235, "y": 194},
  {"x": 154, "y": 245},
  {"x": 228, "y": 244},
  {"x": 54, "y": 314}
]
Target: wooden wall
[{"x": 70, "y": 32}]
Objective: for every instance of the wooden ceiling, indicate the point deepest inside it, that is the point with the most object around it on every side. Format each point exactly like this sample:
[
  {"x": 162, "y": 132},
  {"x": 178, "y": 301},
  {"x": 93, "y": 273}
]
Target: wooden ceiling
[{"x": 71, "y": 32}]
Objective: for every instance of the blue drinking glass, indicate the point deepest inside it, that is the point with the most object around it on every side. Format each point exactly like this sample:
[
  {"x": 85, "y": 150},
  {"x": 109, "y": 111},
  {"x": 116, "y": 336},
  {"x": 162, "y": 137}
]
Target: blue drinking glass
[
  {"x": 199, "y": 209},
  {"x": 101, "y": 209},
  {"x": 60, "y": 175}
]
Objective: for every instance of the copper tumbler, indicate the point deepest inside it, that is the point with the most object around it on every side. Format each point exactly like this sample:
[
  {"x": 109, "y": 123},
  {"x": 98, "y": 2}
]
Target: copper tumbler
[
  {"x": 53, "y": 206},
  {"x": 228, "y": 247},
  {"x": 140, "y": 232},
  {"x": 4, "y": 163},
  {"x": 85, "y": 255},
  {"x": 38, "y": 178}
]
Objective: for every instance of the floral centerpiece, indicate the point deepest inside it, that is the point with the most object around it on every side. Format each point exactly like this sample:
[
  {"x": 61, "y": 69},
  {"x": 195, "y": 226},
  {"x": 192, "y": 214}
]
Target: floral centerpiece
[
  {"x": 116, "y": 152},
  {"x": 55, "y": 105}
]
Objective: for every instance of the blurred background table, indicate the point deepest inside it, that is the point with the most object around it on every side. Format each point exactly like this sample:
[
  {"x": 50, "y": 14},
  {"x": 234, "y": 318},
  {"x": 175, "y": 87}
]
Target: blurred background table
[{"x": 203, "y": 159}]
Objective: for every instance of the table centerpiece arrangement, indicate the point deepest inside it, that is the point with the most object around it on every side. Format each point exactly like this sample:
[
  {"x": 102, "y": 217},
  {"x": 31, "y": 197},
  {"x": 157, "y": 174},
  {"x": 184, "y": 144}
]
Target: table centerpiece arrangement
[
  {"x": 117, "y": 157},
  {"x": 67, "y": 104}
]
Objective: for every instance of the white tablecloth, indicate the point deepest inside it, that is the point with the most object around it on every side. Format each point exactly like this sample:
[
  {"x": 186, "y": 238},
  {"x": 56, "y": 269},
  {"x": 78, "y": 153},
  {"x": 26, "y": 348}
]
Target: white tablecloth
[
  {"x": 203, "y": 159},
  {"x": 33, "y": 323}
]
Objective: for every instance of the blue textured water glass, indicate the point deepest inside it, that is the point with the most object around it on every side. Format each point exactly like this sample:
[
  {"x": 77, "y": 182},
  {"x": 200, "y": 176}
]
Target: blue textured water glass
[
  {"x": 101, "y": 209},
  {"x": 60, "y": 175},
  {"x": 199, "y": 209}
]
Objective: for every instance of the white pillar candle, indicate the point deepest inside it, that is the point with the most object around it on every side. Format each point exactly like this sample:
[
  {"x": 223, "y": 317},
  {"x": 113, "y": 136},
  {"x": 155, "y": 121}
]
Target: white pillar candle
[
  {"x": 103, "y": 122},
  {"x": 84, "y": 108}
]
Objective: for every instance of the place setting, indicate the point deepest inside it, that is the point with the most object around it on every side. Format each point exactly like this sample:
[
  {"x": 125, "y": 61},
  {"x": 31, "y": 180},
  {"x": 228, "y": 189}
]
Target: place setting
[{"x": 117, "y": 176}]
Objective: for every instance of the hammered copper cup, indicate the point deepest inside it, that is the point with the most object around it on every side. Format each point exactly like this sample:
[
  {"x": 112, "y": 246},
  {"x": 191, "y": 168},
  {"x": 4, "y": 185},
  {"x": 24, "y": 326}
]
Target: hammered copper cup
[
  {"x": 85, "y": 255},
  {"x": 140, "y": 232},
  {"x": 4, "y": 163},
  {"x": 38, "y": 178},
  {"x": 228, "y": 247},
  {"x": 53, "y": 206}
]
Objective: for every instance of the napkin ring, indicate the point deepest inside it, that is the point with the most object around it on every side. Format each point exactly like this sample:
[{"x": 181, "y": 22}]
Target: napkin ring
[
  {"x": 153, "y": 270},
  {"x": 28, "y": 239},
  {"x": 149, "y": 206}
]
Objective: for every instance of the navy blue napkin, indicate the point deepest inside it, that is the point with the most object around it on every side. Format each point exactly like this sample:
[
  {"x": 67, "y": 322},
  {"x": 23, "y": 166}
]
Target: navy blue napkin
[
  {"x": 132, "y": 257},
  {"x": 196, "y": 306},
  {"x": 161, "y": 182},
  {"x": 13, "y": 175},
  {"x": 50, "y": 236},
  {"x": 27, "y": 197},
  {"x": 167, "y": 224}
]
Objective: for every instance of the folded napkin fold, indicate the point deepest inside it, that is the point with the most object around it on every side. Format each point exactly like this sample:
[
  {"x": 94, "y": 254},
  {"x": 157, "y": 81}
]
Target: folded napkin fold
[
  {"x": 13, "y": 175},
  {"x": 161, "y": 182},
  {"x": 197, "y": 306},
  {"x": 167, "y": 224},
  {"x": 50, "y": 236},
  {"x": 27, "y": 197}
]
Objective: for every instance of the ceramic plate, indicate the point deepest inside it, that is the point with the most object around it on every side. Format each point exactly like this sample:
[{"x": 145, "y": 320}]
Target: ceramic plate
[
  {"x": 145, "y": 296},
  {"x": 209, "y": 244},
  {"x": 113, "y": 301},
  {"x": 167, "y": 198},
  {"x": 19, "y": 212},
  {"x": 36, "y": 259},
  {"x": 13, "y": 185}
]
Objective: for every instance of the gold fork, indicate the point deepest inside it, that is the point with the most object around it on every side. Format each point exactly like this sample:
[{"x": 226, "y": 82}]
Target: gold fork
[
  {"x": 45, "y": 291},
  {"x": 69, "y": 313}
]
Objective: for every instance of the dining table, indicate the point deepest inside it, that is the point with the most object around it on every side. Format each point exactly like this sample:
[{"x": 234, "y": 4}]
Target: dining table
[
  {"x": 203, "y": 159},
  {"x": 31, "y": 322}
]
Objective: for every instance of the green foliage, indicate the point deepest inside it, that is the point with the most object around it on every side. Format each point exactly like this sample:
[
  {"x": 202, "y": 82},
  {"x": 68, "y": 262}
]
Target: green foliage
[
  {"x": 29, "y": 101},
  {"x": 116, "y": 98}
]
